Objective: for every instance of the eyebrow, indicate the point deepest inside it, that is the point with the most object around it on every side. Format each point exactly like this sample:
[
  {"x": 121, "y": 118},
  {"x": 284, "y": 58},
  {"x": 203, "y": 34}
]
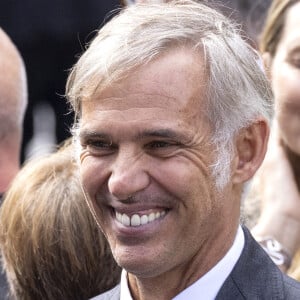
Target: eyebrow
[
  {"x": 86, "y": 134},
  {"x": 159, "y": 133}
]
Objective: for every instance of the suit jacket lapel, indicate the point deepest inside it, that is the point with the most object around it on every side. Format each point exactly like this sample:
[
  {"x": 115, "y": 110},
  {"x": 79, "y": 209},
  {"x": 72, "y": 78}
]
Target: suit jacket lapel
[{"x": 254, "y": 276}]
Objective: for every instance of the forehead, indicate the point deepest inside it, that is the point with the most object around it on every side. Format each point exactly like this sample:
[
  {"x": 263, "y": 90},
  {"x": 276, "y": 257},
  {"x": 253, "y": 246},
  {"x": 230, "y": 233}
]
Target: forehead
[
  {"x": 168, "y": 93},
  {"x": 291, "y": 32},
  {"x": 175, "y": 79}
]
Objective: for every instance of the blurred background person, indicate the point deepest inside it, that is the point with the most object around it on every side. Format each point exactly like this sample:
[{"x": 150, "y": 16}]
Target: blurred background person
[
  {"x": 13, "y": 101},
  {"x": 51, "y": 245},
  {"x": 50, "y": 35},
  {"x": 250, "y": 14},
  {"x": 275, "y": 196}
]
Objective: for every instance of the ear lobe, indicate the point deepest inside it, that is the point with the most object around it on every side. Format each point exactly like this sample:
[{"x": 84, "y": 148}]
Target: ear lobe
[{"x": 251, "y": 146}]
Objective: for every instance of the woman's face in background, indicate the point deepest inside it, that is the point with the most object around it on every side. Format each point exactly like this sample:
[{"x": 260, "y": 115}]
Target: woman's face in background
[{"x": 285, "y": 78}]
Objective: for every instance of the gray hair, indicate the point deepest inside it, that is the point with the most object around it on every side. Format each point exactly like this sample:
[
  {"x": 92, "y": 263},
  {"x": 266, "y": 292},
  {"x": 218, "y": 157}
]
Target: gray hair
[{"x": 237, "y": 90}]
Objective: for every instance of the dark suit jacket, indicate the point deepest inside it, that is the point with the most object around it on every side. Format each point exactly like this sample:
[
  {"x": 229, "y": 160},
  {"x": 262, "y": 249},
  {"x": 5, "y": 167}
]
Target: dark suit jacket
[
  {"x": 4, "y": 289},
  {"x": 254, "y": 277}
]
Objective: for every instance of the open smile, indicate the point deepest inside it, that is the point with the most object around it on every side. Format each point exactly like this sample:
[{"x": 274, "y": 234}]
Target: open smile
[{"x": 136, "y": 219}]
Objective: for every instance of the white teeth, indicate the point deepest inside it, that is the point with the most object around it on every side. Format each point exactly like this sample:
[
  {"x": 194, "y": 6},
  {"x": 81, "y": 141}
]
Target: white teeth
[
  {"x": 119, "y": 217},
  {"x": 125, "y": 220},
  {"x": 136, "y": 220},
  {"x": 151, "y": 217},
  {"x": 144, "y": 219}
]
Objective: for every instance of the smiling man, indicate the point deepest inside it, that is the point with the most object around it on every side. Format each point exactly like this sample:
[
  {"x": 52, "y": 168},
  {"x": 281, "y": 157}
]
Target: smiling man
[{"x": 172, "y": 113}]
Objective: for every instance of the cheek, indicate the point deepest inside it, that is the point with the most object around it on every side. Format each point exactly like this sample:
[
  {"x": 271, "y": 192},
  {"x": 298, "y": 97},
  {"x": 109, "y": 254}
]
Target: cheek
[
  {"x": 92, "y": 175},
  {"x": 285, "y": 85},
  {"x": 186, "y": 180},
  {"x": 290, "y": 131}
]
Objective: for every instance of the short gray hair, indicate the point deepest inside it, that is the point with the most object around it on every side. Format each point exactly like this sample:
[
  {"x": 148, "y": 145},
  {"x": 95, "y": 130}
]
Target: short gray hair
[{"x": 237, "y": 91}]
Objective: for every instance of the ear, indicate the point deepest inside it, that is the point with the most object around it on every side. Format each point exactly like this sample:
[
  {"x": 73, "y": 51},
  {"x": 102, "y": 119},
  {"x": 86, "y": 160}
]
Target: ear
[
  {"x": 267, "y": 61},
  {"x": 250, "y": 146}
]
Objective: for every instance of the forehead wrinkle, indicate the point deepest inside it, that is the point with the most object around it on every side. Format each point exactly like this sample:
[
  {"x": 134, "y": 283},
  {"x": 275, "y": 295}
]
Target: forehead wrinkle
[
  {"x": 121, "y": 102},
  {"x": 190, "y": 117}
]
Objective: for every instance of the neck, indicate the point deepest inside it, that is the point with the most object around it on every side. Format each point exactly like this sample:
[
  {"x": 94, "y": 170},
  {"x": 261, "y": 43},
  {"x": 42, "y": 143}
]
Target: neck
[{"x": 168, "y": 285}]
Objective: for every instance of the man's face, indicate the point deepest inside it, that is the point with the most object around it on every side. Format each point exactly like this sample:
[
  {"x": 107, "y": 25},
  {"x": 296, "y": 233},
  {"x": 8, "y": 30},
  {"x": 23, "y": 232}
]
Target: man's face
[{"x": 145, "y": 166}]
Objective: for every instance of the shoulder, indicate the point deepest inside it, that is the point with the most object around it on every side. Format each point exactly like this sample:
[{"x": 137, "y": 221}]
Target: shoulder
[
  {"x": 113, "y": 294},
  {"x": 292, "y": 288},
  {"x": 255, "y": 276}
]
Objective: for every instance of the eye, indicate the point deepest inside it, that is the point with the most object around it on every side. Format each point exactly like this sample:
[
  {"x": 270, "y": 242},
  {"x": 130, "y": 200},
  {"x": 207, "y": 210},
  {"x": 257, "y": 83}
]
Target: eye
[
  {"x": 162, "y": 148},
  {"x": 159, "y": 144},
  {"x": 295, "y": 61},
  {"x": 99, "y": 146}
]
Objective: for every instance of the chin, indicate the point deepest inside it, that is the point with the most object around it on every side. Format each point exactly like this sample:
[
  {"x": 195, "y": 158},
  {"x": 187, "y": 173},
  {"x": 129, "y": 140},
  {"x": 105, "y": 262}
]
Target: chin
[
  {"x": 140, "y": 265},
  {"x": 141, "y": 269}
]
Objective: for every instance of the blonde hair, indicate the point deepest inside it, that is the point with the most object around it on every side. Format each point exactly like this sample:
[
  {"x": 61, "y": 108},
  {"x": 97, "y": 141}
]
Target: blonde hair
[
  {"x": 51, "y": 245},
  {"x": 274, "y": 25}
]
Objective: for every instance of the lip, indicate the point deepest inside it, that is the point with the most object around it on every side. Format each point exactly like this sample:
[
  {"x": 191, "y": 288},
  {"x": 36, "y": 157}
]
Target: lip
[
  {"x": 137, "y": 208},
  {"x": 136, "y": 232},
  {"x": 139, "y": 218}
]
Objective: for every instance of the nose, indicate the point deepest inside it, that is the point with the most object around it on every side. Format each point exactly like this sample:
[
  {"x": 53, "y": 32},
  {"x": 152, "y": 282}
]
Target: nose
[{"x": 128, "y": 176}]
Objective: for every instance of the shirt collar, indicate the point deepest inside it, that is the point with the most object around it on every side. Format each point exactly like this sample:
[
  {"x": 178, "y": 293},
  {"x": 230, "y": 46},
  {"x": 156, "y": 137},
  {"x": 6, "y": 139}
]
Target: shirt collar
[
  {"x": 209, "y": 284},
  {"x": 125, "y": 292}
]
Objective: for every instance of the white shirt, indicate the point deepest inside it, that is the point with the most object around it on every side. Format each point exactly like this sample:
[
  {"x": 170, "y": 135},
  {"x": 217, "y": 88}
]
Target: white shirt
[{"x": 209, "y": 284}]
